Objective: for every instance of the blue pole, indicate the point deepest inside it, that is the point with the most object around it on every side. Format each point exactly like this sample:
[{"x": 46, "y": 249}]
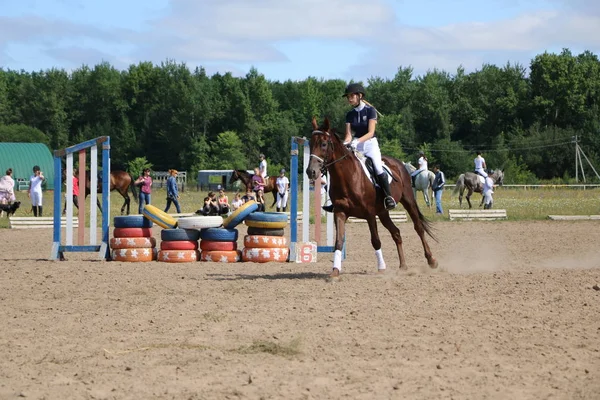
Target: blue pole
[
  {"x": 57, "y": 200},
  {"x": 294, "y": 192},
  {"x": 105, "y": 194}
]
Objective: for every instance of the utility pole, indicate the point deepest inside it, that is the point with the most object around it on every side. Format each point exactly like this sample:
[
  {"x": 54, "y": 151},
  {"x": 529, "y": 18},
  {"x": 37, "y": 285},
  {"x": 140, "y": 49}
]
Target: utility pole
[{"x": 576, "y": 158}]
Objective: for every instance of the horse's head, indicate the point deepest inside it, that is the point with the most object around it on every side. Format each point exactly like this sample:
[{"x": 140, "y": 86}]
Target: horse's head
[
  {"x": 325, "y": 149},
  {"x": 234, "y": 177},
  {"x": 498, "y": 177}
]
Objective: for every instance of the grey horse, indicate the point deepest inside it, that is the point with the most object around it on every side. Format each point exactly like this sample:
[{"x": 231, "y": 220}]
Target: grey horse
[
  {"x": 474, "y": 183},
  {"x": 423, "y": 182}
]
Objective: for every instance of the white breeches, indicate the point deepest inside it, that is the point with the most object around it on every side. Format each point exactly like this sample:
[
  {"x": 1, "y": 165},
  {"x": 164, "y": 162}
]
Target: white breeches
[
  {"x": 282, "y": 199},
  {"x": 370, "y": 148},
  {"x": 487, "y": 197},
  {"x": 36, "y": 199},
  {"x": 416, "y": 172},
  {"x": 481, "y": 172}
]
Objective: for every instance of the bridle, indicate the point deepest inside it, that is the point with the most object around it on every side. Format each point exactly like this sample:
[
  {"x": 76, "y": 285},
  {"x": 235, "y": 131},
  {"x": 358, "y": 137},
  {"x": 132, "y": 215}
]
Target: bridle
[{"x": 324, "y": 163}]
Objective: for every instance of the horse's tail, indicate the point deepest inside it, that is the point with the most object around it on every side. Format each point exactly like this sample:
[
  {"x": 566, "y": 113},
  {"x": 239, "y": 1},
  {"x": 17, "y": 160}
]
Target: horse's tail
[
  {"x": 133, "y": 189},
  {"x": 460, "y": 183},
  {"x": 426, "y": 225}
]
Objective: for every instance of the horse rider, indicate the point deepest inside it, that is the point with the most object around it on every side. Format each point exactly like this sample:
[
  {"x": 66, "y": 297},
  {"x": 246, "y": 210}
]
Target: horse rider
[
  {"x": 422, "y": 167},
  {"x": 488, "y": 190},
  {"x": 262, "y": 166},
  {"x": 480, "y": 165},
  {"x": 362, "y": 120}
]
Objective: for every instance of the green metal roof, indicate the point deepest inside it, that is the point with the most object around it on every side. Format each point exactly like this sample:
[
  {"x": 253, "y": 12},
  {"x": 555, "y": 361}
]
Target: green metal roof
[{"x": 21, "y": 157}]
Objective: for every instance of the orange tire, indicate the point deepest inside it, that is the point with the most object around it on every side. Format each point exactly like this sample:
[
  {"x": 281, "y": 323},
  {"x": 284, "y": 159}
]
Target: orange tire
[
  {"x": 265, "y": 242},
  {"x": 265, "y": 255},
  {"x": 133, "y": 243},
  {"x": 132, "y": 232},
  {"x": 178, "y": 256},
  {"x": 179, "y": 245},
  {"x": 134, "y": 255},
  {"x": 221, "y": 256},
  {"x": 212, "y": 245}
]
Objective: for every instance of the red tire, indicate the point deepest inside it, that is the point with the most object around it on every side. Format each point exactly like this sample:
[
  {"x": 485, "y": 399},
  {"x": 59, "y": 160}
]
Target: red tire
[
  {"x": 265, "y": 255},
  {"x": 211, "y": 245},
  {"x": 178, "y": 256},
  {"x": 132, "y": 243},
  {"x": 179, "y": 245},
  {"x": 265, "y": 242},
  {"x": 221, "y": 256},
  {"x": 132, "y": 232}
]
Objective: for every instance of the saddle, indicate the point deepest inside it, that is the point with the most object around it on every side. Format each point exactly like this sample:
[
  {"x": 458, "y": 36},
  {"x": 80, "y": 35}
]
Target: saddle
[{"x": 369, "y": 170}]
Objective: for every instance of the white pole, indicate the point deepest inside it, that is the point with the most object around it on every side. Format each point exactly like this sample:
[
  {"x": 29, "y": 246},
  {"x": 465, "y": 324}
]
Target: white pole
[
  {"x": 576, "y": 166},
  {"x": 329, "y": 217},
  {"x": 93, "y": 194},
  {"x": 305, "y": 194},
  {"x": 69, "y": 200},
  {"x": 588, "y": 160}
]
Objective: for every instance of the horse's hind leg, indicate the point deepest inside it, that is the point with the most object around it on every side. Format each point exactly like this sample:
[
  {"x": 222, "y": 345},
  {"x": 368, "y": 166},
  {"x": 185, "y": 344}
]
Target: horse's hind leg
[
  {"x": 415, "y": 216},
  {"x": 386, "y": 220},
  {"x": 469, "y": 193}
]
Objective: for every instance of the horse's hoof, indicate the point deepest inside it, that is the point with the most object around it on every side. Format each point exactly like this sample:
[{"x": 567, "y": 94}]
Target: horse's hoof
[
  {"x": 334, "y": 276},
  {"x": 381, "y": 271},
  {"x": 404, "y": 267},
  {"x": 433, "y": 264}
]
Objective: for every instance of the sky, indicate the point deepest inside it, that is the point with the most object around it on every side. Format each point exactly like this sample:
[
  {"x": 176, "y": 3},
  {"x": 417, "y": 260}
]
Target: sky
[{"x": 294, "y": 39}]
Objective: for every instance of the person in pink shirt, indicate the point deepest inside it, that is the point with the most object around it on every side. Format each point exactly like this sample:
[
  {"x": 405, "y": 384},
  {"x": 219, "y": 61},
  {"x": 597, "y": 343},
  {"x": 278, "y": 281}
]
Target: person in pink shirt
[
  {"x": 75, "y": 191},
  {"x": 145, "y": 181}
]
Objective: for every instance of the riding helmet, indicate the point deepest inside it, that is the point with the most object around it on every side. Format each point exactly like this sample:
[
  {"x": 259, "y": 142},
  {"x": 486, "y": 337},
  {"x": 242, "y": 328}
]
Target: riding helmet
[
  {"x": 282, "y": 171},
  {"x": 354, "y": 88}
]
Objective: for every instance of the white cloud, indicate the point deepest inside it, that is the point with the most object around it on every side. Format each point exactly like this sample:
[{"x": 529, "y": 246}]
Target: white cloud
[{"x": 235, "y": 33}]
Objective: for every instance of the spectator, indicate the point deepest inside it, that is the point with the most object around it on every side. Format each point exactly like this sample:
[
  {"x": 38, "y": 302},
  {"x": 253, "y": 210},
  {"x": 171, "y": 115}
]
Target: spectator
[
  {"x": 35, "y": 191},
  {"x": 7, "y": 188},
  {"x": 249, "y": 196},
  {"x": 223, "y": 201},
  {"x": 211, "y": 206},
  {"x": 283, "y": 185},
  {"x": 172, "y": 191},
  {"x": 145, "y": 180},
  {"x": 237, "y": 202},
  {"x": 260, "y": 199},
  {"x": 75, "y": 191},
  {"x": 258, "y": 182},
  {"x": 438, "y": 188}
]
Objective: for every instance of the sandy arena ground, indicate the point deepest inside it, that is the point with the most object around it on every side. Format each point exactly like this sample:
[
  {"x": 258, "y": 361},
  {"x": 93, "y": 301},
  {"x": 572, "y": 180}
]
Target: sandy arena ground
[{"x": 510, "y": 314}]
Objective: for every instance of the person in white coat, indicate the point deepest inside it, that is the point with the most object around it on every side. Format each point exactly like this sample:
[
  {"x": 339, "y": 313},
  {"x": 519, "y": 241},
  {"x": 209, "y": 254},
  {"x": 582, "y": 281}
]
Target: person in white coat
[
  {"x": 488, "y": 190},
  {"x": 422, "y": 167}
]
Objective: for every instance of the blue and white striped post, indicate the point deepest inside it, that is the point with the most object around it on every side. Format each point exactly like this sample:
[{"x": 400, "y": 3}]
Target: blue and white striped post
[{"x": 58, "y": 249}]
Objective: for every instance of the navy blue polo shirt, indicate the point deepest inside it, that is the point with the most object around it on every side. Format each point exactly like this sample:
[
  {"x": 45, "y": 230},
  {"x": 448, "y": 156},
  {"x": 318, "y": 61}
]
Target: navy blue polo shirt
[{"x": 359, "y": 120}]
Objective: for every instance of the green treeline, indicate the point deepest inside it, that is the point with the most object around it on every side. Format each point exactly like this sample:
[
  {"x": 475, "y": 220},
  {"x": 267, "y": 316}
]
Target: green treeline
[{"x": 523, "y": 121}]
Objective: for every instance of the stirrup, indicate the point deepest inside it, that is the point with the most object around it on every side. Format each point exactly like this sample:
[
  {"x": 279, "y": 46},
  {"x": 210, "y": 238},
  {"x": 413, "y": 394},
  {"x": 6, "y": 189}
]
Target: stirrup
[
  {"x": 389, "y": 203},
  {"x": 328, "y": 208}
]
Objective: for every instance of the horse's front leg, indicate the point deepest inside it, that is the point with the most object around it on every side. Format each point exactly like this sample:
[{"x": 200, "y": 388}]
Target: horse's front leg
[
  {"x": 340, "y": 232},
  {"x": 376, "y": 243},
  {"x": 469, "y": 193},
  {"x": 386, "y": 220}
]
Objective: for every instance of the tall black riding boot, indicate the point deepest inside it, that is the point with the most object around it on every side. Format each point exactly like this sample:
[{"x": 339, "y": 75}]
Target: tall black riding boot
[
  {"x": 278, "y": 209},
  {"x": 34, "y": 209},
  {"x": 39, "y": 211},
  {"x": 389, "y": 201},
  {"x": 412, "y": 179},
  {"x": 284, "y": 208}
]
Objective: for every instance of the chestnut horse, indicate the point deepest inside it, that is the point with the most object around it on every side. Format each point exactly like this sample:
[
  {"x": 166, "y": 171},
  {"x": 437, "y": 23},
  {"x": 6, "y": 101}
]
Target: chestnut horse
[
  {"x": 120, "y": 181},
  {"x": 354, "y": 195},
  {"x": 246, "y": 178}
]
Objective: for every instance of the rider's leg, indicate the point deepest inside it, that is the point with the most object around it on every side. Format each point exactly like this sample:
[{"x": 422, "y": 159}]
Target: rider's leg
[{"x": 371, "y": 150}]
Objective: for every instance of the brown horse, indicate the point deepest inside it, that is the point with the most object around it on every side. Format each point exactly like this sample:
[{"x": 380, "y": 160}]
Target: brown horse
[
  {"x": 246, "y": 178},
  {"x": 354, "y": 195},
  {"x": 120, "y": 181}
]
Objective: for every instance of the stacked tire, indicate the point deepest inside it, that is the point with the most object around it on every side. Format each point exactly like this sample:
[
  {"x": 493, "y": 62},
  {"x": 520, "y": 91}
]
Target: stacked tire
[
  {"x": 265, "y": 241},
  {"x": 179, "y": 245},
  {"x": 132, "y": 239},
  {"x": 219, "y": 245}
]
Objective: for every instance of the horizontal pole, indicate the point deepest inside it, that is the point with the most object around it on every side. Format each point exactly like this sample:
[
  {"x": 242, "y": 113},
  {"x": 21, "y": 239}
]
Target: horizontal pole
[
  {"x": 82, "y": 249},
  {"x": 80, "y": 146}
]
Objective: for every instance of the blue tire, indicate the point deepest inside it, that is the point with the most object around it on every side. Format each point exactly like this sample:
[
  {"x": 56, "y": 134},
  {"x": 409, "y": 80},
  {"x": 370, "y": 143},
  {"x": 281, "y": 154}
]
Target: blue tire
[
  {"x": 219, "y": 234},
  {"x": 132, "y": 221},
  {"x": 267, "y": 217},
  {"x": 238, "y": 216},
  {"x": 179, "y": 234}
]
